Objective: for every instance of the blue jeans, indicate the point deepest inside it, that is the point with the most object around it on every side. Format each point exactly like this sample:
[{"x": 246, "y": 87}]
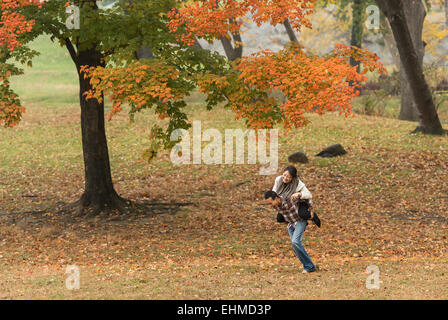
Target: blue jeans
[{"x": 296, "y": 235}]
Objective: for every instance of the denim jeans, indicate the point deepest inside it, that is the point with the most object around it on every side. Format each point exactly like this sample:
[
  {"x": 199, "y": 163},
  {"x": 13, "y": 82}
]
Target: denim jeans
[{"x": 296, "y": 235}]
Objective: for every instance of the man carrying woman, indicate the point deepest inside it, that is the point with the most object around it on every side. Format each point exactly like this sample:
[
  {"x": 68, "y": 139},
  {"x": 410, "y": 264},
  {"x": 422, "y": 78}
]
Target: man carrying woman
[{"x": 293, "y": 202}]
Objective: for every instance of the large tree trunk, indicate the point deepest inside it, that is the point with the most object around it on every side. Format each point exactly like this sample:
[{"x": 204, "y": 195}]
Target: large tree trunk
[
  {"x": 415, "y": 16},
  {"x": 99, "y": 193},
  {"x": 395, "y": 13},
  {"x": 392, "y": 47}
]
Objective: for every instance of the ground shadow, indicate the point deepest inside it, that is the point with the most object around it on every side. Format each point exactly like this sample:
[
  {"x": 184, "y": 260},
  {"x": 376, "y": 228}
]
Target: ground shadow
[{"x": 56, "y": 214}]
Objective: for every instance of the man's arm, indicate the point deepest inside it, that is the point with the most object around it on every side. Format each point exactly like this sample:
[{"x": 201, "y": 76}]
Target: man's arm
[
  {"x": 302, "y": 192},
  {"x": 305, "y": 193}
]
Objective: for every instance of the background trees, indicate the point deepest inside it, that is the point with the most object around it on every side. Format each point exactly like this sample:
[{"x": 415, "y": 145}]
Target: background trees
[
  {"x": 415, "y": 13},
  {"x": 409, "y": 56}
]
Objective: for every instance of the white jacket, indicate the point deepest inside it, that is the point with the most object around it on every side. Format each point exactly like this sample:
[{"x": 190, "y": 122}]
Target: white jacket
[{"x": 306, "y": 194}]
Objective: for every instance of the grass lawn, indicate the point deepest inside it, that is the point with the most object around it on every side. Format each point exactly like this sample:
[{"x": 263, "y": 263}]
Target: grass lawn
[{"x": 384, "y": 203}]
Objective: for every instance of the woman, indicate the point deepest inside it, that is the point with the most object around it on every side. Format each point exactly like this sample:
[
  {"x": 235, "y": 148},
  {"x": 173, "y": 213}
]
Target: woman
[{"x": 289, "y": 186}]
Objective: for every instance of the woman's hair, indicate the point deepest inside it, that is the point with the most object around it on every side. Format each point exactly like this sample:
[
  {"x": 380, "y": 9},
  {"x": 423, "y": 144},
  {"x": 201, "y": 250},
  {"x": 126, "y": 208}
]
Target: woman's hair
[{"x": 292, "y": 171}]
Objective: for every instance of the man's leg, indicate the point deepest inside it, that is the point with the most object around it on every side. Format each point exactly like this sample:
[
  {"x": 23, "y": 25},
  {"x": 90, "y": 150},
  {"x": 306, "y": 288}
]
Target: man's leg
[{"x": 296, "y": 235}]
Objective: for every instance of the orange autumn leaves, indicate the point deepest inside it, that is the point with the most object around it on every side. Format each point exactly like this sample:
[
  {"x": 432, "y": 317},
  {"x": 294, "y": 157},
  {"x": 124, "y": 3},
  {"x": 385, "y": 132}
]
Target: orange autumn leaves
[
  {"x": 209, "y": 19},
  {"x": 12, "y": 23},
  {"x": 10, "y": 109},
  {"x": 307, "y": 83},
  {"x": 137, "y": 84},
  {"x": 12, "y": 26}
]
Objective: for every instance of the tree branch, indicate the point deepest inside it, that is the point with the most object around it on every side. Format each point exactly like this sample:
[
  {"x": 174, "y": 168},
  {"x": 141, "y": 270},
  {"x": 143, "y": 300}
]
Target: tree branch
[{"x": 72, "y": 51}]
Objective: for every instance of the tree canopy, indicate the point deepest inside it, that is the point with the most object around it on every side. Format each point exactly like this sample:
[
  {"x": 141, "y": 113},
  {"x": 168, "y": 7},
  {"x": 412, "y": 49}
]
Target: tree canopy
[{"x": 309, "y": 83}]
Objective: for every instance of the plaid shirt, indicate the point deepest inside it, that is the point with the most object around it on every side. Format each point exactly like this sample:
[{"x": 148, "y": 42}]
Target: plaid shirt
[{"x": 289, "y": 211}]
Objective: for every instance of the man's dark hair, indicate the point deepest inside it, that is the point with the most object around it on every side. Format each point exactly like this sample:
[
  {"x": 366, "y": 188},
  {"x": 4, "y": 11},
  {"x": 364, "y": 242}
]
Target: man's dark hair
[{"x": 271, "y": 194}]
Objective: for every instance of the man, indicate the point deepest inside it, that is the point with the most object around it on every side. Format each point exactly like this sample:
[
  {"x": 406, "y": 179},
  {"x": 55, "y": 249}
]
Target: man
[{"x": 296, "y": 225}]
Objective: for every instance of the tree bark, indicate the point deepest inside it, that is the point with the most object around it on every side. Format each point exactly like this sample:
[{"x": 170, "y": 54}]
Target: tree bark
[
  {"x": 232, "y": 53},
  {"x": 236, "y": 52},
  {"x": 290, "y": 32},
  {"x": 357, "y": 28},
  {"x": 415, "y": 16},
  {"x": 99, "y": 192},
  {"x": 395, "y": 13}
]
